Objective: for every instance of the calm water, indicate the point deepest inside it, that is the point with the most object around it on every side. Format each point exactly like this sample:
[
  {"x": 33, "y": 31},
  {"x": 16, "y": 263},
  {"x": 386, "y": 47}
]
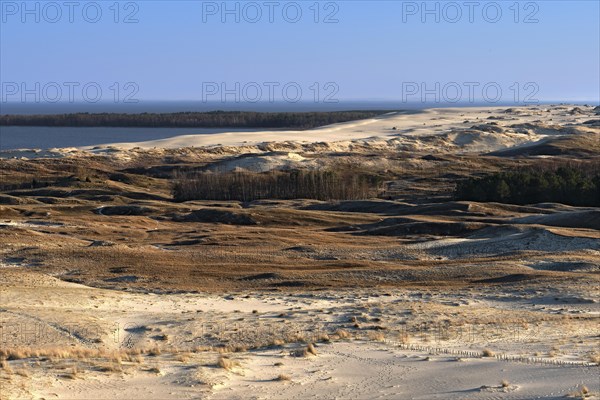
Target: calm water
[{"x": 41, "y": 137}]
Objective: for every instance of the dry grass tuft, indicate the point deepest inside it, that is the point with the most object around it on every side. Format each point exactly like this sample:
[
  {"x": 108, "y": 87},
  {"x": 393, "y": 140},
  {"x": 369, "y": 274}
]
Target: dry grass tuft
[
  {"x": 183, "y": 357},
  {"x": 404, "y": 338},
  {"x": 376, "y": 336},
  {"x": 585, "y": 390},
  {"x": 283, "y": 377},
  {"x": 68, "y": 353},
  {"x": 324, "y": 338},
  {"x": 581, "y": 393},
  {"x": 487, "y": 353},
  {"x": 162, "y": 337},
  {"x": 277, "y": 342},
  {"x": 342, "y": 334},
  {"x": 505, "y": 383},
  {"x": 304, "y": 352},
  {"x": 14, "y": 354},
  {"x": 155, "y": 351},
  {"x": 138, "y": 359},
  {"x": 109, "y": 367},
  {"x": 201, "y": 349},
  {"x": 238, "y": 348},
  {"x": 227, "y": 363}
]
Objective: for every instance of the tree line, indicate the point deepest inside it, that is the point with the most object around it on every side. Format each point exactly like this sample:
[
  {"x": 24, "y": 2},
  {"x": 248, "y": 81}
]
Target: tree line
[
  {"x": 212, "y": 119},
  {"x": 571, "y": 185},
  {"x": 296, "y": 184}
]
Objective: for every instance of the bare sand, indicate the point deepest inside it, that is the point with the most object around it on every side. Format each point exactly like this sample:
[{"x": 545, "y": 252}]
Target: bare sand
[{"x": 411, "y": 344}]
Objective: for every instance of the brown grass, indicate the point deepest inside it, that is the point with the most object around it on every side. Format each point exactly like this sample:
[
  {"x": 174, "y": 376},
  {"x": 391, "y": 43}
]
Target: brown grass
[
  {"x": 404, "y": 338},
  {"x": 283, "y": 377},
  {"x": 376, "y": 336},
  {"x": 67, "y": 352},
  {"x": 155, "y": 351},
  {"x": 184, "y": 357},
  {"x": 277, "y": 342},
  {"x": 227, "y": 363},
  {"x": 342, "y": 334}
]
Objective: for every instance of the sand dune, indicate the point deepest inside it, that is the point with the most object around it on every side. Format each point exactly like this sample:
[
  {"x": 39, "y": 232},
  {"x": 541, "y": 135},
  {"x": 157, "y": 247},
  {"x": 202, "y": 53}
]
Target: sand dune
[{"x": 475, "y": 129}]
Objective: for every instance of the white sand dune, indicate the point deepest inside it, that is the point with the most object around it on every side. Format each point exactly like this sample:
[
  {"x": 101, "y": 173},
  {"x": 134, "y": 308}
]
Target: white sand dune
[
  {"x": 443, "y": 130},
  {"x": 449, "y": 125}
]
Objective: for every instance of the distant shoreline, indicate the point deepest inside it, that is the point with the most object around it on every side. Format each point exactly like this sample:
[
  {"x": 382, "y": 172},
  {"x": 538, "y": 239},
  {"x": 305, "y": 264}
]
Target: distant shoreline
[{"x": 212, "y": 119}]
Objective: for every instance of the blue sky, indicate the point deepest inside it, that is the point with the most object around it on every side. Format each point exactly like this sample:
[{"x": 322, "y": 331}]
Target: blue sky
[{"x": 377, "y": 50}]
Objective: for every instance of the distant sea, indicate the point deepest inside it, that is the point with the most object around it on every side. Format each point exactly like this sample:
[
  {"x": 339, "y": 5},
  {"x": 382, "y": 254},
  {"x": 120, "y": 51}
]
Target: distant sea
[{"x": 199, "y": 106}]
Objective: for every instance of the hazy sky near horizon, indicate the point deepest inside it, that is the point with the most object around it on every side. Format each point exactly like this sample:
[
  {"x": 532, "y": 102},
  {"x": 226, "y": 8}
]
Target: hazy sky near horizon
[{"x": 352, "y": 50}]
